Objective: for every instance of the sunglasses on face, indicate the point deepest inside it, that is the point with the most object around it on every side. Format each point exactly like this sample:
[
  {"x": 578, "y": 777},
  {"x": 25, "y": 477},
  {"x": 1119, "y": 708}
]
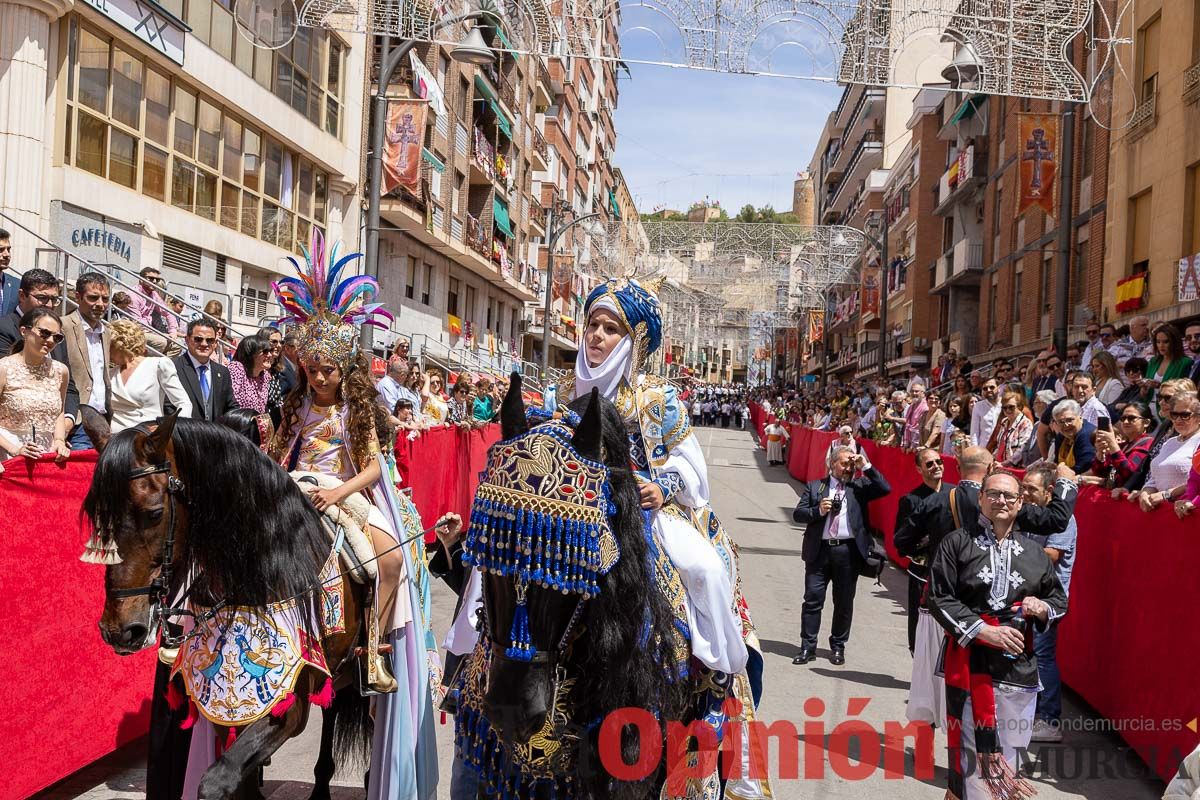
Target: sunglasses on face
[
  {"x": 204, "y": 339},
  {"x": 1106, "y": 336},
  {"x": 1131, "y": 418},
  {"x": 936, "y": 462},
  {"x": 997, "y": 496},
  {"x": 46, "y": 299},
  {"x": 1165, "y": 398},
  {"x": 49, "y": 335},
  {"x": 1184, "y": 415},
  {"x": 1009, "y": 408},
  {"x": 1055, "y": 365},
  {"x": 1093, "y": 333}
]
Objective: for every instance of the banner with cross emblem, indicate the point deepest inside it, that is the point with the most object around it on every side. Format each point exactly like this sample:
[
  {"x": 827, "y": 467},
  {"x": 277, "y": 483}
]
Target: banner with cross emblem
[
  {"x": 1039, "y": 162},
  {"x": 402, "y": 145}
]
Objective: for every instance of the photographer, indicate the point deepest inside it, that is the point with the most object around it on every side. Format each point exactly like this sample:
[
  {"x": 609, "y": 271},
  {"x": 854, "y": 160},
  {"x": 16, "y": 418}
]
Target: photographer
[{"x": 836, "y": 542}]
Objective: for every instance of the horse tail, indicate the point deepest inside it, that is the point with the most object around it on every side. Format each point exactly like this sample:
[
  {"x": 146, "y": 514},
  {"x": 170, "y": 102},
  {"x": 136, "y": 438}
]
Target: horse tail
[{"x": 353, "y": 727}]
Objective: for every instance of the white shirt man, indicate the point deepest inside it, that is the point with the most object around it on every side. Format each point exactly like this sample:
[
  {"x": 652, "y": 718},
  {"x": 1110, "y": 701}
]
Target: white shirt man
[
  {"x": 985, "y": 414},
  {"x": 1094, "y": 345}
]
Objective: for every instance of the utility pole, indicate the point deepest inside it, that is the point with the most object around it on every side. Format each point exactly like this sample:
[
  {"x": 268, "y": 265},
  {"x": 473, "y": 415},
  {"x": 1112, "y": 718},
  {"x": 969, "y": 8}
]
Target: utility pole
[{"x": 1066, "y": 204}]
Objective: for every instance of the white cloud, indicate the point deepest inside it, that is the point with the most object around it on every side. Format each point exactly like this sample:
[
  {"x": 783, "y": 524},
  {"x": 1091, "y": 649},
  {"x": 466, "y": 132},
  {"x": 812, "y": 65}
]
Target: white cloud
[{"x": 684, "y": 134}]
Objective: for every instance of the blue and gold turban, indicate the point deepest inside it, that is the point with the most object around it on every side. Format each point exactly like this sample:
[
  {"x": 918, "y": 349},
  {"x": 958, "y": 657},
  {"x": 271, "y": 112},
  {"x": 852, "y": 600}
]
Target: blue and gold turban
[{"x": 637, "y": 306}]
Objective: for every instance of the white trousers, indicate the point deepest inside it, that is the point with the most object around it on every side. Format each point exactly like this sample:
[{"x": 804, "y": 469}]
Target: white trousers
[
  {"x": 927, "y": 689},
  {"x": 708, "y": 581},
  {"x": 1014, "y": 728}
]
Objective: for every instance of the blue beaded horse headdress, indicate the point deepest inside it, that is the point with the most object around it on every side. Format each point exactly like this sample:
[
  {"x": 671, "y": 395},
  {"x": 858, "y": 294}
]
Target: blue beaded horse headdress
[
  {"x": 637, "y": 304},
  {"x": 541, "y": 517}
]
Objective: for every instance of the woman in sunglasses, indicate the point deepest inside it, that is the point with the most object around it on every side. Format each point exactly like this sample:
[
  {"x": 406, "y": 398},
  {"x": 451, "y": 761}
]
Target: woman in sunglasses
[
  {"x": 1120, "y": 452},
  {"x": 1170, "y": 468},
  {"x": 1013, "y": 431},
  {"x": 33, "y": 390},
  {"x": 433, "y": 398}
]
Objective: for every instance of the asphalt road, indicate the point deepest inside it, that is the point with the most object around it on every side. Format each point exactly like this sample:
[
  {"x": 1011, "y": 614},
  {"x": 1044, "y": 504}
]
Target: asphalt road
[{"x": 755, "y": 504}]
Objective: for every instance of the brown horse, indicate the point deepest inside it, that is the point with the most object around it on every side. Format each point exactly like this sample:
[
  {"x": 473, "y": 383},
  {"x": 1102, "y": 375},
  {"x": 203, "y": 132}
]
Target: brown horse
[{"x": 187, "y": 498}]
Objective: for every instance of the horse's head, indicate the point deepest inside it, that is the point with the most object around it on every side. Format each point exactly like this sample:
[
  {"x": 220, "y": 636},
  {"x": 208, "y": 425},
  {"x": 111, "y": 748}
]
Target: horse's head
[
  {"x": 540, "y": 533},
  {"x": 137, "y": 525}
]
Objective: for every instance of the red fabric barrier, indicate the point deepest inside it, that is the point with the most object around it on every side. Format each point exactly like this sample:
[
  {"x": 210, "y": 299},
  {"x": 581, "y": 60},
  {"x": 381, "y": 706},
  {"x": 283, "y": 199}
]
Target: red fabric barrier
[
  {"x": 1126, "y": 645},
  {"x": 444, "y": 465},
  {"x": 67, "y": 698}
]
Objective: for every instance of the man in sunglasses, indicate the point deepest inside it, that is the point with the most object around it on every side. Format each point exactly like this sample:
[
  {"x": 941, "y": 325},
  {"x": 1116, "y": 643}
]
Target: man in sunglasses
[
  {"x": 39, "y": 288},
  {"x": 1191, "y": 345},
  {"x": 1094, "y": 344},
  {"x": 991, "y": 588},
  {"x": 206, "y": 382}
]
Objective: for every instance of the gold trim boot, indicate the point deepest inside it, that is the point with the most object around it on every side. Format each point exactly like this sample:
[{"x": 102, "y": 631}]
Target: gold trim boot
[{"x": 380, "y": 679}]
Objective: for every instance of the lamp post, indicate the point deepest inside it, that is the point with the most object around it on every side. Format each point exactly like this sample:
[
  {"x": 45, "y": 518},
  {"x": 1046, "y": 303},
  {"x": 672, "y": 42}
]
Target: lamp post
[
  {"x": 881, "y": 244},
  {"x": 550, "y": 245},
  {"x": 471, "y": 50}
]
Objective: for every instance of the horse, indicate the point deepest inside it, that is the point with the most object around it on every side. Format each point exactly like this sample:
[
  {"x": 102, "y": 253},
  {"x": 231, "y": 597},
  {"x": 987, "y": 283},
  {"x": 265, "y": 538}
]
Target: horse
[
  {"x": 620, "y": 647},
  {"x": 191, "y": 501}
]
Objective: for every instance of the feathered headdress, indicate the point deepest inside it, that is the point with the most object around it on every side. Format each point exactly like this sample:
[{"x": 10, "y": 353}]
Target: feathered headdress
[{"x": 329, "y": 312}]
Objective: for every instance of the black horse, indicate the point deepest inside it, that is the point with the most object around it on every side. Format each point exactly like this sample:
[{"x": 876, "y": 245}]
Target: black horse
[{"x": 619, "y": 650}]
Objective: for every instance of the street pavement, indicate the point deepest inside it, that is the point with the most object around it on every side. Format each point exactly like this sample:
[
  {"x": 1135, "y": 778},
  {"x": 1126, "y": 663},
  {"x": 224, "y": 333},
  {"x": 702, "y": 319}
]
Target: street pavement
[{"x": 755, "y": 504}]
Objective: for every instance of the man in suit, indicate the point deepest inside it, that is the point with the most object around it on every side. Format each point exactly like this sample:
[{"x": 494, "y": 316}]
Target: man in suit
[
  {"x": 8, "y": 283},
  {"x": 206, "y": 382},
  {"x": 835, "y": 542},
  {"x": 87, "y": 348},
  {"x": 39, "y": 288}
]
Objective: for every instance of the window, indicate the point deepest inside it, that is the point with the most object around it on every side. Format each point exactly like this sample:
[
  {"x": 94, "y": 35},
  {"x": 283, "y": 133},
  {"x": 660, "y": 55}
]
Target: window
[
  {"x": 427, "y": 284},
  {"x": 454, "y": 286},
  {"x": 469, "y": 309},
  {"x": 119, "y": 126},
  {"x": 1192, "y": 209},
  {"x": 1147, "y": 41},
  {"x": 1139, "y": 244},
  {"x": 464, "y": 98},
  {"x": 410, "y": 274},
  {"x": 443, "y": 66}
]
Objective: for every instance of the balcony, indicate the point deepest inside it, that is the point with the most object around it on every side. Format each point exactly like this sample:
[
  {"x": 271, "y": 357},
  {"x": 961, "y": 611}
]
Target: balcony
[
  {"x": 868, "y": 358},
  {"x": 961, "y": 265},
  {"x": 964, "y": 177},
  {"x": 1143, "y": 119},
  {"x": 867, "y": 156},
  {"x": 540, "y": 151},
  {"x": 483, "y": 159},
  {"x": 537, "y": 216},
  {"x": 477, "y": 237},
  {"x": 868, "y": 102}
]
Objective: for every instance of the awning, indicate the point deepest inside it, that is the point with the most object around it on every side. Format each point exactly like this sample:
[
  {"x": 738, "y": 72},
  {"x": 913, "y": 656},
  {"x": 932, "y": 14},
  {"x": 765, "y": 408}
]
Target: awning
[
  {"x": 500, "y": 215},
  {"x": 612, "y": 203},
  {"x": 433, "y": 160},
  {"x": 502, "y": 121},
  {"x": 968, "y": 108},
  {"x": 504, "y": 39},
  {"x": 482, "y": 85}
]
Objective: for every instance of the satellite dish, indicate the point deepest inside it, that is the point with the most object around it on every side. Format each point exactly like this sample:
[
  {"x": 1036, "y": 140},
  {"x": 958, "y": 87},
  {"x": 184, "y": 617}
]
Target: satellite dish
[{"x": 267, "y": 24}]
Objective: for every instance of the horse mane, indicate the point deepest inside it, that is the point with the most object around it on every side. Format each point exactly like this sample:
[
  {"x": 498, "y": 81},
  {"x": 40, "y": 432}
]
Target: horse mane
[
  {"x": 253, "y": 538},
  {"x": 629, "y": 660}
]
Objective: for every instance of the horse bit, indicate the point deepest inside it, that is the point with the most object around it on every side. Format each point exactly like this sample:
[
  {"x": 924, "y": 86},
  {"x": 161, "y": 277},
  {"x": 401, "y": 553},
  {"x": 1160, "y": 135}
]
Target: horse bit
[{"x": 159, "y": 588}]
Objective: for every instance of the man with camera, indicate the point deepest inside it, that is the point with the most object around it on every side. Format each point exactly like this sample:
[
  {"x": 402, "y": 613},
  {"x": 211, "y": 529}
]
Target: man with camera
[{"x": 836, "y": 546}]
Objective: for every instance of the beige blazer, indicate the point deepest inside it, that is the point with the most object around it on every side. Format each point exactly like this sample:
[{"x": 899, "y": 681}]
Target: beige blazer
[{"x": 81, "y": 365}]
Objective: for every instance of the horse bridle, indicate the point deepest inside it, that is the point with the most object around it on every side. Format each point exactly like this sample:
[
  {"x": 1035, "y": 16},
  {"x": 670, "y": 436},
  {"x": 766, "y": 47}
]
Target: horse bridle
[{"x": 551, "y": 657}]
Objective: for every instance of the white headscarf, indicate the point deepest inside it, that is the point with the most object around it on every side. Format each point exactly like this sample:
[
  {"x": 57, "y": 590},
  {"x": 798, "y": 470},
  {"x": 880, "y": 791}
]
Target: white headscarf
[{"x": 606, "y": 377}]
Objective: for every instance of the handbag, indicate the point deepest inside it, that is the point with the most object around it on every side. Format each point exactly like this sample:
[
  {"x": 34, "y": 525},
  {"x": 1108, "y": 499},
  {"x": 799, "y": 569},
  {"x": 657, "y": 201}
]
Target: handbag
[{"x": 871, "y": 566}]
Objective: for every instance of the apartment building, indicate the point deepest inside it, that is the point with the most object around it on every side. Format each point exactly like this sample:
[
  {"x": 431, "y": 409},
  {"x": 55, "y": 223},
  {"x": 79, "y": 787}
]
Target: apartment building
[
  {"x": 457, "y": 261},
  {"x": 1154, "y": 172},
  {"x": 996, "y": 278},
  {"x": 577, "y": 179},
  {"x": 156, "y": 135}
]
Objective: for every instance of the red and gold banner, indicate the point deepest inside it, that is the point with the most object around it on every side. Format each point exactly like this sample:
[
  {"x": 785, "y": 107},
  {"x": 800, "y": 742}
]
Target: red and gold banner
[
  {"x": 816, "y": 325},
  {"x": 1039, "y": 162},
  {"x": 402, "y": 144},
  {"x": 869, "y": 294}
]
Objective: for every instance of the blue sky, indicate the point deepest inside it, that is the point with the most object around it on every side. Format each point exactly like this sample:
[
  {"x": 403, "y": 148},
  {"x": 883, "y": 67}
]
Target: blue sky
[{"x": 684, "y": 134}]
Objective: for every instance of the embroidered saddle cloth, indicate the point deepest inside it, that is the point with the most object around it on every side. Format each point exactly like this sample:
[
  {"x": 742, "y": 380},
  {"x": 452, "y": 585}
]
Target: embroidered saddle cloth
[{"x": 245, "y": 661}]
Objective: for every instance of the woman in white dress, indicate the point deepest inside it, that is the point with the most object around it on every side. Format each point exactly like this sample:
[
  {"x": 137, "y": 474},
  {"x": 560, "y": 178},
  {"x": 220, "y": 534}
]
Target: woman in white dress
[{"x": 141, "y": 385}]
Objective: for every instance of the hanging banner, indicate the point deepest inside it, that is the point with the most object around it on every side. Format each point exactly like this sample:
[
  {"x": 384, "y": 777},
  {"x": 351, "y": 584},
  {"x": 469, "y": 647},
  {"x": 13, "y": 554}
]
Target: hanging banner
[
  {"x": 402, "y": 145},
  {"x": 816, "y": 326},
  {"x": 1039, "y": 162},
  {"x": 869, "y": 297},
  {"x": 1189, "y": 278}
]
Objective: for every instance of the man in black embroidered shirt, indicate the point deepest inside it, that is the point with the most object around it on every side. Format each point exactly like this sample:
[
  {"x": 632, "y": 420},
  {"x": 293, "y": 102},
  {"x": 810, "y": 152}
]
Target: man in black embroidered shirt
[{"x": 990, "y": 586}]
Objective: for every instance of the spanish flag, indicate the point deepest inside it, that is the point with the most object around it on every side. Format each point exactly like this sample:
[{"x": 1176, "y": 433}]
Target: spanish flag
[
  {"x": 1130, "y": 293},
  {"x": 455, "y": 325}
]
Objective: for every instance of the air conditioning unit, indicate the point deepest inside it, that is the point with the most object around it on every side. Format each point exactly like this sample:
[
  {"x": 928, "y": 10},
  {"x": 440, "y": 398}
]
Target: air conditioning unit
[
  {"x": 581, "y": 162},
  {"x": 524, "y": 326},
  {"x": 594, "y": 115},
  {"x": 920, "y": 342}
]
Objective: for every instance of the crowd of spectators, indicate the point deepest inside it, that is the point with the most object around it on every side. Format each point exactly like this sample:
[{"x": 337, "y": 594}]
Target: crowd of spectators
[{"x": 1119, "y": 409}]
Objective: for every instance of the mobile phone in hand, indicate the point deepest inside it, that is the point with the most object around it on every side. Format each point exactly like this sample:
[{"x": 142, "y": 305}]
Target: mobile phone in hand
[{"x": 1104, "y": 424}]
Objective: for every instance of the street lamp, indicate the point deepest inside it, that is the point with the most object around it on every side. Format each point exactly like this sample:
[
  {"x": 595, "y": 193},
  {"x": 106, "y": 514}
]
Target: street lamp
[
  {"x": 472, "y": 50},
  {"x": 550, "y": 244}
]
